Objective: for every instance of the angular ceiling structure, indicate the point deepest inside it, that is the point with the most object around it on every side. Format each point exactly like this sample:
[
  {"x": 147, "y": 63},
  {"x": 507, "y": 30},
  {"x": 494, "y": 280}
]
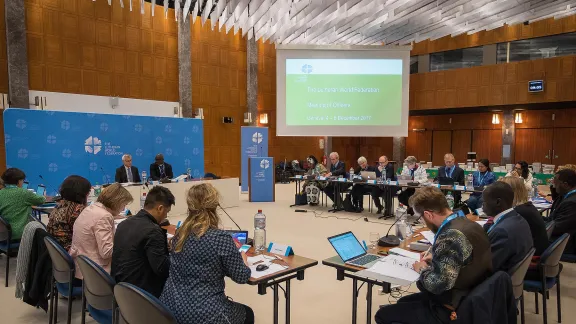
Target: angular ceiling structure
[{"x": 361, "y": 22}]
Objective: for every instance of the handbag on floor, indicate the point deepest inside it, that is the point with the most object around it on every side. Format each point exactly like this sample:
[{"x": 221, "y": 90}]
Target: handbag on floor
[{"x": 300, "y": 199}]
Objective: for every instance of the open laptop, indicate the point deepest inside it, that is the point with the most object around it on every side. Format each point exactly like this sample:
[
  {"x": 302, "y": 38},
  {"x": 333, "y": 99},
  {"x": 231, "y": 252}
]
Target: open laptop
[
  {"x": 446, "y": 181},
  {"x": 240, "y": 236},
  {"x": 368, "y": 175},
  {"x": 351, "y": 251}
]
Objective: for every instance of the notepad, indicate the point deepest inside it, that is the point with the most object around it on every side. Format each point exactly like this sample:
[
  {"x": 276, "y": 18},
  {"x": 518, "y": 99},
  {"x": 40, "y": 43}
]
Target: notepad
[
  {"x": 394, "y": 269},
  {"x": 428, "y": 235},
  {"x": 405, "y": 253}
]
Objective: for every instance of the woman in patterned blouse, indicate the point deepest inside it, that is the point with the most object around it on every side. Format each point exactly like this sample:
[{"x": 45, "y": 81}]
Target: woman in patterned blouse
[
  {"x": 201, "y": 256},
  {"x": 74, "y": 191}
]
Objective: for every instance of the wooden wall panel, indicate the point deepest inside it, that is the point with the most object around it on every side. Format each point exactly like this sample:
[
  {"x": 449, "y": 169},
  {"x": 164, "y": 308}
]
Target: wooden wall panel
[
  {"x": 87, "y": 47},
  {"x": 502, "y": 34},
  {"x": 487, "y": 144},
  {"x": 3, "y": 57},
  {"x": 441, "y": 144},
  {"x": 461, "y": 144},
  {"x": 533, "y": 145},
  {"x": 492, "y": 85},
  {"x": 419, "y": 144},
  {"x": 563, "y": 146}
]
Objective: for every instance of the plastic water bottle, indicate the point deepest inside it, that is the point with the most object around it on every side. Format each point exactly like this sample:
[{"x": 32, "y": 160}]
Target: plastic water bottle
[
  {"x": 97, "y": 190},
  {"x": 401, "y": 228},
  {"x": 351, "y": 174},
  {"x": 189, "y": 173},
  {"x": 450, "y": 200},
  {"x": 144, "y": 176},
  {"x": 142, "y": 200},
  {"x": 535, "y": 189},
  {"x": 259, "y": 231},
  {"x": 470, "y": 180}
]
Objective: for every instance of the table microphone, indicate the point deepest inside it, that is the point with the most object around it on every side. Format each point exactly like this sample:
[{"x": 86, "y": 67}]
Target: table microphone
[
  {"x": 248, "y": 240},
  {"x": 56, "y": 192},
  {"x": 390, "y": 240},
  {"x": 105, "y": 176}
]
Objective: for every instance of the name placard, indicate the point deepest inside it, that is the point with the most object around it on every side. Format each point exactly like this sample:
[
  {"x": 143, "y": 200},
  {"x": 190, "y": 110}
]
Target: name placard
[
  {"x": 461, "y": 188},
  {"x": 371, "y": 181},
  {"x": 342, "y": 179},
  {"x": 393, "y": 183},
  {"x": 280, "y": 249},
  {"x": 298, "y": 176}
]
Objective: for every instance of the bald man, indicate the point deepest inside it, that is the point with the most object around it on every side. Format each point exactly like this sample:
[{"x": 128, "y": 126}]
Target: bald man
[
  {"x": 453, "y": 171},
  {"x": 160, "y": 170},
  {"x": 387, "y": 170}
]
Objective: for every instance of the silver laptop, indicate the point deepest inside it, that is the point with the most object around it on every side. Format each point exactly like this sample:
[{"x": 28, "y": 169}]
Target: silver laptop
[
  {"x": 368, "y": 175},
  {"x": 351, "y": 251}
]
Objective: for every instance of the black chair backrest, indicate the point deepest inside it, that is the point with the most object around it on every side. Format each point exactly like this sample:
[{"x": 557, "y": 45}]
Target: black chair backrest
[
  {"x": 550, "y": 228},
  {"x": 5, "y": 230},
  {"x": 98, "y": 284},
  {"x": 518, "y": 272},
  {"x": 550, "y": 258},
  {"x": 139, "y": 307},
  {"x": 62, "y": 262}
]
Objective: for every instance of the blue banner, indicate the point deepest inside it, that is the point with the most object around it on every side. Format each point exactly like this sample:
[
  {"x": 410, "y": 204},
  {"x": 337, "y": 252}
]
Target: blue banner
[
  {"x": 254, "y": 143},
  {"x": 261, "y": 188},
  {"x": 58, "y": 144}
]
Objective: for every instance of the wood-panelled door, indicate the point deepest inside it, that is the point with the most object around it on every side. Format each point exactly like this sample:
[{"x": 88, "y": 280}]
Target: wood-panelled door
[
  {"x": 564, "y": 146},
  {"x": 487, "y": 143},
  {"x": 461, "y": 144},
  {"x": 419, "y": 144},
  {"x": 534, "y": 145},
  {"x": 441, "y": 144}
]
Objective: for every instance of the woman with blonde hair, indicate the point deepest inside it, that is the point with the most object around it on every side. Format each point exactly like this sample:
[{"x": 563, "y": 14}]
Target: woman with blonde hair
[
  {"x": 201, "y": 256},
  {"x": 93, "y": 233},
  {"x": 527, "y": 210}
]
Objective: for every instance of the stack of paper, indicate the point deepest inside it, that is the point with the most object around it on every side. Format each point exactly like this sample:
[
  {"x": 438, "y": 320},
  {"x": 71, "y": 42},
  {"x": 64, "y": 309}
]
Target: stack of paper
[
  {"x": 429, "y": 236},
  {"x": 267, "y": 260},
  {"x": 394, "y": 269},
  {"x": 405, "y": 253}
]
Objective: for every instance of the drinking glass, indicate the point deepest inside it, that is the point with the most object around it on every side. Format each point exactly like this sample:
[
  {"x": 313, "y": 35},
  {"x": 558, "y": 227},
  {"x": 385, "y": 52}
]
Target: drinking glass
[{"x": 374, "y": 238}]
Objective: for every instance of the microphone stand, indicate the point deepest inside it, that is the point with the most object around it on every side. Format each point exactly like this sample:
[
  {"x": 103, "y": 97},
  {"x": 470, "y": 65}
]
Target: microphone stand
[
  {"x": 56, "y": 193},
  {"x": 249, "y": 241},
  {"x": 391, "y": 240}
]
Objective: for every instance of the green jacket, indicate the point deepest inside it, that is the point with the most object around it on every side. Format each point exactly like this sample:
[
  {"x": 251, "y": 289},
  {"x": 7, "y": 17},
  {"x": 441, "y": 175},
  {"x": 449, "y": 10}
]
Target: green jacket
[{"x": 16, "y": 206}]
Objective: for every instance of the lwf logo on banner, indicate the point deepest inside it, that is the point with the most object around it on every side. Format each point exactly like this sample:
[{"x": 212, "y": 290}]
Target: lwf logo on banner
[
  {"x": 264, "y": 164},
  {"x": 257, "y": 138},
  {"x": 93, "y": 145}
]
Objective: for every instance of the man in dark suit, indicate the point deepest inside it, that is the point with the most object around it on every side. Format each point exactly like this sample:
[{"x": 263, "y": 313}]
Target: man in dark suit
[
  {"x": 160, "y": 170},
  {"x": 387, "y": 170},
  {"x": 337, "y": 169},
  {"x": 509, "y": 235},
  {"x": 565, "y": 213},
  {"x": 127, "y": 172},
  {"x": 358, "y": 190},
  {"x": 453, "y": 171}
]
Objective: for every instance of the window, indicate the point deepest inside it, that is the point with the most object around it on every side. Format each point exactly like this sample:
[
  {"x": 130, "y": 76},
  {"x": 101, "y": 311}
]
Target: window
[
  {"x": 537, "y": 48},
  {"x": 456, "y": 59},
  {"x": 413, "y": 64}
]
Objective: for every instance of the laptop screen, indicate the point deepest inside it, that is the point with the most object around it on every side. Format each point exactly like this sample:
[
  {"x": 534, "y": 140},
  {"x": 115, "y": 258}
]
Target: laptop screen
[
  {"x": 240, "y": 236},
  {"x": 347, "y": 246}
]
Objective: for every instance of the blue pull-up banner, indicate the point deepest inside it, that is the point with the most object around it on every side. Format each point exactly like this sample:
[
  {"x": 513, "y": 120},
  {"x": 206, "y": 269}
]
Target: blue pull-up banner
[{"x": 254, "y": 143}]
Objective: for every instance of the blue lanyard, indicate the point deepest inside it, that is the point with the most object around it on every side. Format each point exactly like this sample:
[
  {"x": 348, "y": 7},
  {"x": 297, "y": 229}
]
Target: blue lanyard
[
  {"x": 11, "y": 186},
  {"x": 412, "y": 171},
  {"x": 496, "y": 222},
  {"x": 569, "y": 193},
  {"x": 451, "y": 172},
  {"x": 446, "y": 221},
  {"x": 480, "y": 180}
]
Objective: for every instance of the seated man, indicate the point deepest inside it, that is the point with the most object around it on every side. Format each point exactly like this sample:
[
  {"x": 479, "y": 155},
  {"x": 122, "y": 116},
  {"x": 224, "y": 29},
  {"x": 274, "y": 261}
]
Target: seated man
[
  {"x": 565, "y": 213},
  {"x": 416, "y": 172},
  {"x": 460, "y": 259},
  {"x": 387, "y": 170},
  {"x": 451, "y": 171},
  {"x": 127, "y": 172},
  {"x": 510, "y": 236},
  {"x": 160, "y": 170},
  {"x": 358, "y": 190},
  {"x": 140, "y": 254},
  {"x": 337, "y": 169}
]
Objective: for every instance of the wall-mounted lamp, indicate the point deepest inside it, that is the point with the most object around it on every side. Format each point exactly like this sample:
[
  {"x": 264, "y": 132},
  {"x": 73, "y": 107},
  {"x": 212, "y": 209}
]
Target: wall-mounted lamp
[
  {"x": 199, "y": 113},
  {"x": 518, "y": 118},
  {"x": 247, "y": 117},
  {"x": 264, "y": 118},
  {"x": 495, "y": 119}
]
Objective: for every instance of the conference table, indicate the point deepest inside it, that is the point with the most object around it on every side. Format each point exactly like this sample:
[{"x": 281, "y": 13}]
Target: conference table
[
  {"x": 296, "y": 266},
  {"x": 344, "y": 270}
]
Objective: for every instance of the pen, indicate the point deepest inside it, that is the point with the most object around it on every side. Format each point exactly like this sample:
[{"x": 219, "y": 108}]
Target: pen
[
  {"x": 178, "y": 225},
  {"x": 427, "y": 252},
  {"x": 365, "y": 246}
]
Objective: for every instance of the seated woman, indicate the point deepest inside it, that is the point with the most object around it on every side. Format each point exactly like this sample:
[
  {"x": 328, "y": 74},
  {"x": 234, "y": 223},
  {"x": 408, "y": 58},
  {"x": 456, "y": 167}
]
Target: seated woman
[
  {"x": 93, "y": 231},
  {"x": 16, "y": 202},
  {"x": 482, "y": 178},
  {"x": 74, "y": 192},
  {"x": 532, "y": 216},
  {"x": 311, "y": 187},
  {"x": 521, "y": 171},
  {"x": 201, "y": 256},
  {"x": 416, "y": 172}
]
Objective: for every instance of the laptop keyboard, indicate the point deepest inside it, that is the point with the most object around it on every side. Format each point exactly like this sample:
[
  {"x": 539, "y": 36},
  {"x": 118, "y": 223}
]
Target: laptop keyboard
[{"x": 365, "y": 259}]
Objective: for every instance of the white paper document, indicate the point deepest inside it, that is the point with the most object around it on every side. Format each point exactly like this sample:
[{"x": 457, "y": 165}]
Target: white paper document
[
  {"x": 393, "y": 269},
  {"x": 429, "y": 236},
  {"x": 481, "y": 223},
  {"x": 405, "y": 253},
  {"x": 272, "y": 268},
  {"x": 260, "y": 259}
]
